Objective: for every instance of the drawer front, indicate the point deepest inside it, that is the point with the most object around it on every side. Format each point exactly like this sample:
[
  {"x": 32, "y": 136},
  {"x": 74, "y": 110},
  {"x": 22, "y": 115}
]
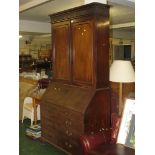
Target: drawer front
[
  {"x": 70, "y": 144},
  {"x": 62, "y": 116},
  {"x": 51, "y": 135},
  {"x": 62, "y": 126},
  {"x": 70, "y": 128}
]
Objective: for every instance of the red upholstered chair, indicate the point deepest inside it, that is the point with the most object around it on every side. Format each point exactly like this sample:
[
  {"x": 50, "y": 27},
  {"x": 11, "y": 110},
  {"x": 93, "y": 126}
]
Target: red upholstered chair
[{"x": 90, "y": 142}]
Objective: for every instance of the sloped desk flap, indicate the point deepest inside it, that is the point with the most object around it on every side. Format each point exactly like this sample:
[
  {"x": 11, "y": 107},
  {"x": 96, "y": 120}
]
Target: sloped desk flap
[{"x": 72, "y": 97}]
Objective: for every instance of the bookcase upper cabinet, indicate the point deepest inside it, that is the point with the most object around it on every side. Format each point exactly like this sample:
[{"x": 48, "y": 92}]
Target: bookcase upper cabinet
[{"x": 80, "y": 45}]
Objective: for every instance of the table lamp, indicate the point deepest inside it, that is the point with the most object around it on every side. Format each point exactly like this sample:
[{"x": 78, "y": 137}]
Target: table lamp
[{"x": 121, "y": 71}]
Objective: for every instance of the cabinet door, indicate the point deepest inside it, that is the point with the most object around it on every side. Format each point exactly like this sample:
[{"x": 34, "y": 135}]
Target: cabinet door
[
  {"x": 61, "y": 50},
  {"x": 82, "y": 47}
]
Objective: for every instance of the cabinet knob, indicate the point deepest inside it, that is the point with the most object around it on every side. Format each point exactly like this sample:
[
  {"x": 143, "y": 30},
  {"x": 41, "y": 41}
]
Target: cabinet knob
[
  {"x": 72, "y": 21},
  {"x": 68, "y": 123},
  {"x": 68, "y": 133}
]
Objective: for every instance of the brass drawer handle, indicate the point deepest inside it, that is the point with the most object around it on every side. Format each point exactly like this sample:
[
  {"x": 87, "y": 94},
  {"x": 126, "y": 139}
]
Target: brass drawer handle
[
  {"x": 70, "y": 145},
  {"x": 57, "y": 89},
  {"x": 68, "y": 123},
  {"x": 68, "y": 133}
]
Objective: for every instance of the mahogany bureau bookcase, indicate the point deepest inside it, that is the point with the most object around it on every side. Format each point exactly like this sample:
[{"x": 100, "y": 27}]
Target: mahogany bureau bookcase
[{"x": 78, "y": 99}]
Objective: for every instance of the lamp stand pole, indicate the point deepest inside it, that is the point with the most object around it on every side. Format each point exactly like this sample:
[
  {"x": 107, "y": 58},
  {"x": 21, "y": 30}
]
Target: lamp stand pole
[{"x": 120, "y": 99}]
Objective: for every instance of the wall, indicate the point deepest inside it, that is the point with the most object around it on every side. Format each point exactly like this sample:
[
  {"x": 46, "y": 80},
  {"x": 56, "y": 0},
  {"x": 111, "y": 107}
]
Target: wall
[
  {"x": 35, "y": 46},
  {"x": 123, "y": 33},
  {"x": 34, "y": 26},
  {"x": 120, "y": 41},
  {"x": 122, "y": 36}
]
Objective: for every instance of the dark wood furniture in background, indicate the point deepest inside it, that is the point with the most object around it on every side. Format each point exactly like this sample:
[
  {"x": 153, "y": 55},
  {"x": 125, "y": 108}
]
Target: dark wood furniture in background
[
  {"x": 78, "y": 99},
  {"x": 25, "y": 63}
]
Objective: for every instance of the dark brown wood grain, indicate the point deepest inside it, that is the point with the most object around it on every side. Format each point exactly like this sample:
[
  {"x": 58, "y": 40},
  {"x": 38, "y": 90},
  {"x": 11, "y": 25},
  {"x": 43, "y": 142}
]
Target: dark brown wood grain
[
  {"x": 97, "y": 116},
  {"x": 92, "y": 9},
  {"x": 61, "y": 62},
  {"x": 80, "y": 41},
  {"x": 82, "y": 50},
  {"x": 102, "y": 51},
  {"x": 78, "y": 99}
]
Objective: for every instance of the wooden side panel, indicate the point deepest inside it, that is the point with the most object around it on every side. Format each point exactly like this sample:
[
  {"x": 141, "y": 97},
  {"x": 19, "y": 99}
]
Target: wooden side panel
[
  {"x": 61, "y": 50},
  {"x": 82, "y": 47},
  {"x": 97, "y": 116},
  {"x": 102, "y": 43}
]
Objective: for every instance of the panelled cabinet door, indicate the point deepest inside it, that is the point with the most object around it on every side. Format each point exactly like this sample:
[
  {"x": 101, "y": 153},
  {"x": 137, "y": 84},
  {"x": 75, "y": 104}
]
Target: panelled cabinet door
[
  {"x": 61, "y": 50},
  {"x": 82, "y": 48}
]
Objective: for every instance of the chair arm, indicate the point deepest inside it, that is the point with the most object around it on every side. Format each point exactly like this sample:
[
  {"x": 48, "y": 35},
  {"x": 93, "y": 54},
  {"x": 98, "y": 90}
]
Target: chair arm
[{"x": 89, "y": 142}]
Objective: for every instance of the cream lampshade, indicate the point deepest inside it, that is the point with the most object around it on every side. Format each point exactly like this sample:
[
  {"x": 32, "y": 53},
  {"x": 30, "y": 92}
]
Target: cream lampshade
[{"x": 121, "y": 71}]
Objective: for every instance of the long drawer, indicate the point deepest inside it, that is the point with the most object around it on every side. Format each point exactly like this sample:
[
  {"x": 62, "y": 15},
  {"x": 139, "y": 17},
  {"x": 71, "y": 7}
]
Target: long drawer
[{"x": 62, "y": 116}]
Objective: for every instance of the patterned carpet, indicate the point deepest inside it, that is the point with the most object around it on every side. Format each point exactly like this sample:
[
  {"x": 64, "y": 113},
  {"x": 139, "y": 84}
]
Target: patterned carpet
[{"x": 28, "y": 146}]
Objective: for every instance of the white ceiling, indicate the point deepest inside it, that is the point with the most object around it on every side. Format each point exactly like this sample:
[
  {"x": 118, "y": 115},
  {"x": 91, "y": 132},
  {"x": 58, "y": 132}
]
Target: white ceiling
[
  {"x": 121, "y": 11},
  {"x": 118, "y": 13},
  {"x": 21, "y": 2}
]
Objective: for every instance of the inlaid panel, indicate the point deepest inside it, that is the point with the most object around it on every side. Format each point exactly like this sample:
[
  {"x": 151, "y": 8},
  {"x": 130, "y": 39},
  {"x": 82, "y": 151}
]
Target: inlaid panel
[
  {"x": 61, "y": 47},
  {"x": 82, "y": 34}
]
